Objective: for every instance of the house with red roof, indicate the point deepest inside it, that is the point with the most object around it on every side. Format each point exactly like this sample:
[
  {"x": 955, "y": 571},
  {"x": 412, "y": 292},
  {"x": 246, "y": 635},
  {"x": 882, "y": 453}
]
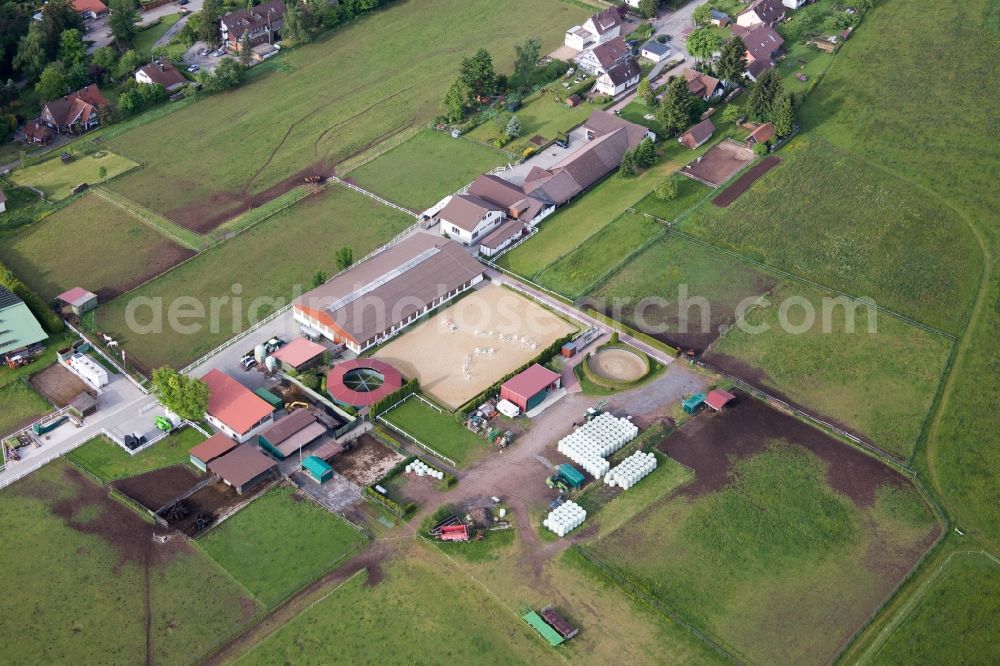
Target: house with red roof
[
  {"x": 233, "y": 408},
  {"x": 697, "y": 135},
  {"x": 718, "y": 398},
  {"x": 89, "y": 9},
  {"x": 75, "y": 113}
]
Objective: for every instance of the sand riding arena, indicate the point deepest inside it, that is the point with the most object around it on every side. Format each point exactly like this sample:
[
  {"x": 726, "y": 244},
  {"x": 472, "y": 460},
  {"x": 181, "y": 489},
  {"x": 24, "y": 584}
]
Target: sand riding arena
[{"x": 618, "y": 365}]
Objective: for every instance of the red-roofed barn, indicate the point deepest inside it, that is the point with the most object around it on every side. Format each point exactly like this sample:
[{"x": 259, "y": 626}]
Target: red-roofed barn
[
  {"x": 233, "y": 408},
  {"x": 299, "y": 354},
  {"x": 718, "y": 398},
  {"x": 528, "y": 389}
]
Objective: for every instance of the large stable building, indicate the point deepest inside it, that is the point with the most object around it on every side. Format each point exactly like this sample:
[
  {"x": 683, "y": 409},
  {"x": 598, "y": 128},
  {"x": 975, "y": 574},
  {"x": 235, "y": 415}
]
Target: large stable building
[
  {"x": 233, "y": 408},
  {"x": 378, "y": 298}
]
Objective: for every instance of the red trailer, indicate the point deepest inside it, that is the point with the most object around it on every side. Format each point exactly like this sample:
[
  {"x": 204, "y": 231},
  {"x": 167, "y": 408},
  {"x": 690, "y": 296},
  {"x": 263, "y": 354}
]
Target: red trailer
[{"x": 454, "y": 533}]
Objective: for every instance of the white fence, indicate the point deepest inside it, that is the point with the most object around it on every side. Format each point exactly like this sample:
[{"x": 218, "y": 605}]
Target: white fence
[{"x": 381, "y": 200}]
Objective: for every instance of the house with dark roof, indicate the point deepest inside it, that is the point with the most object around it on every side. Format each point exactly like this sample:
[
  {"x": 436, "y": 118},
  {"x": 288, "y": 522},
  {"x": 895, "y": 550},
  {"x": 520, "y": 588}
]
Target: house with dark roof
[
  {"x": 697, "y": 135},
  {"x": 619, "y": 78},
  {"x": 702, "y": 85},
  {"x": 161, "y": 72},
  {"x": 766, "y": 12},
  {"x": 467, "y": 218},
  {"x": 76, "y": 112},
  {"x": 763, "y": 45},
  {"x": 516, "y": 204},
  {"x": 599, "y": 28},
  {"x": 36, "y": 133},
  {"x": 603, "y": 56},
  {"x": 18, "y": 327},
  {"x": 262, "y": 25}
]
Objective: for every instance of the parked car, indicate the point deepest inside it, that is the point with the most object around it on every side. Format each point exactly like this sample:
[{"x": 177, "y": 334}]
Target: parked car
[
  {"x": 273, "y": 345},
  {"x": 193, "y": 68},
  {"x": 248, "y": 361}
]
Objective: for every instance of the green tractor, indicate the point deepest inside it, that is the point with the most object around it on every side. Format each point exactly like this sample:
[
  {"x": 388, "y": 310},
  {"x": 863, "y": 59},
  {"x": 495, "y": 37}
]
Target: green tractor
[{"x": 163, "y": 423}]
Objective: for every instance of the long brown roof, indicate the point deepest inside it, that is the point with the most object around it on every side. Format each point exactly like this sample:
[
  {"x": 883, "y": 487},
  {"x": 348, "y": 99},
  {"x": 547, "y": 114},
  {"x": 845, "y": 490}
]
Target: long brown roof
[
  {"x": 611, "y": 52},
  {"x": 624, "y": 71},
  {"x": 761, "y": 40},
  {"x": 465, "y": 211},
  {"x": 241, "y": 465},
  {"x": 291, "y": 433},
  {"x": 698, "y": 134},
  {"x": 267, "y": 14},
  {"x": 163, "y": 73}
]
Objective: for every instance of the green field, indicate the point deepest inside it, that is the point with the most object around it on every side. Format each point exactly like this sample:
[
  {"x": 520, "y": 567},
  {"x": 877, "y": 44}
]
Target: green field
[
  {"x": 418, "y": 613},
  {"x": 21, "y": 404},
  {"x": 804, "y": 59},
  {"x": 90, "y": 243},
  {"x": 280, "y": 543},
  {"x": 57, "y": 179},
  {"x": 442, "y": 163},
  {"x": 108, "y": 461},
  {"x": 324, "y": 102},
  {"x": 145, "y": 39},
  {"x": 576, "y": 273},
  {"x": 80, "y": 560},
  {"x": 880, "y": 385},
  {"x": 776, "y": 565},
  {"x": 280, "y": 253},
  {"x": 440, "y": 431},
  {"x": 954, "y": 620},
  {"x": 542, "y": 114},
  {"x": 24, "y": 206},
  {"x": 689, "y": 194}
]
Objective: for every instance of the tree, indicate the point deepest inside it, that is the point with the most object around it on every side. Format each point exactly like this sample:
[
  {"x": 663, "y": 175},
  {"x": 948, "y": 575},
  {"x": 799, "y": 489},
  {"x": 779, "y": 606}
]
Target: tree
[
  {"x": 344, "y": 258},
  {"x": 647, "y": 8},
  {"x": 703, "y": 15},
  {"x": 674, "y": 113},
  {"x": 128, "y": 63},
  {"x": 130, "y": 102},
  {"x": 666, "y": 190},
  {"x": 72, "y": 50},
  {"x": 627, "y": 166},
  {"x": 702, "y": 43},
  {"x": 122, "y": 23},
  {"x": 105, "y": 58},
  {"x": 526, "y": 55},
  {"x": 760, "y": 149},
  {"x": 52, "y": 83},
  {"x": 185, "y": 396},
  {"x": 30, "y": 58},
  {"x": 77, "y": 76},
  {"x": 319, "y": 277},
  {"x": 227, "y": 74},
  {"x": 784, "y": 116},
  {"x": 731, "y": 113},
  {"x": 478, "y": 74},
  {"x": 246, "y": 54},
  {"x": 645, "y": 154},
  {"x": 513, "y": 128},
  {"x": 645, "y": 92},
  {"x": 455, "y": 101},
  {"x": 295, "y": 26},
  {"x": 57, "y": 17},
  {"x": 764, "y": 97},
  {"x": 211, "y": 12},
  {"x": 732, "y": 61}
]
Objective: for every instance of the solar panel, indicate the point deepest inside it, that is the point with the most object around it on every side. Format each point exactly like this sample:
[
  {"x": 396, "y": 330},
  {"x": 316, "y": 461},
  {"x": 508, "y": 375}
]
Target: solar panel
[{"x": 387, "y": 277}]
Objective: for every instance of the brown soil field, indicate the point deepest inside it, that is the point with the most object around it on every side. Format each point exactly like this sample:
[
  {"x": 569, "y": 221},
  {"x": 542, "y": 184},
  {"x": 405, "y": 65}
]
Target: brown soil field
[
  {"x": 214, "y": 500},
  {"x": 367, "y": 461},
  {"x": 58, "y": 385},
  {"x": 720, "y": 163},
  {"x": 154, "y": 489},
  {"x": 743, "y": 183}
]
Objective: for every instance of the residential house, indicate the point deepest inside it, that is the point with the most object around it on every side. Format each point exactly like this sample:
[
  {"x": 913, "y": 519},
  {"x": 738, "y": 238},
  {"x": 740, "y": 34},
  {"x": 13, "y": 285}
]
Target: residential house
[
  {"x": 603, "y": 56},
  {"x": 261, "y": 24},
  {"x": 720, "y": 19},
  {"x": 655, "y": 51},
  {"x": 599, "y": 28},
  {"x": 233, "y": 408},
  {"x": 697, "y": 135},
  {"x": 89, "y": 9},
  {"x": 161, "y": 72},
  {"x": 766, "y": 12},
  {"x": 763, "y": 44},
  {"x": 516, "y": 204},
  {"x": 74, "y": 113},
  {"x": 467, "y": 218},
  {"x": 619, "y": 78},
  {"x": 702, "y": 85},
  {"x": 762, "y": 134},
  {"x": 18, "y": 327},
  {"x": 794, "y": 4},
  {"x": 35, "y": 133}
]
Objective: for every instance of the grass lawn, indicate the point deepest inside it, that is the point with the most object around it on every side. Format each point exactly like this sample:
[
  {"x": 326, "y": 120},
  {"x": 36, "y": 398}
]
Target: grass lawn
[
  {"x": 776, "y": 564},
  {"x": 324, "y": 102},
  {"x": 878, "y": 385},
  {"x": 636, "y": 111},
  {"x": 954, "y": 620},
  {"x": 439, "y": 431},
  {"x": 415, "y": 611},
  {"x": 689, "y": 194},
  {"x": 90, "y": 598},
  {"x": 21, "y": 405},
  {"x": 542, "y": 114},
  {"x": 57, "y": 179},
  {"x": 145, "y": 39},
  {"x": 283, "y": 252},
  {"x": 280, "y": 543},
  {"x": 90, "y": 243},
  {"x": 420, "y": 172},
  {"x": 24, "y": 206},
  {"x": 576, "y": 273},
  {"x": 808, "y": 60},
  {"x": 108, "y": 461}
]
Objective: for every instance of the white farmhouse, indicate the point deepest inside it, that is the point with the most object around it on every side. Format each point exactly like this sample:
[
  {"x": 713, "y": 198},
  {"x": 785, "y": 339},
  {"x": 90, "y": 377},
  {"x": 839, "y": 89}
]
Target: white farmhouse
[
  {"x": 599, "y": 28},
  {"x": 467, "y": 218}
]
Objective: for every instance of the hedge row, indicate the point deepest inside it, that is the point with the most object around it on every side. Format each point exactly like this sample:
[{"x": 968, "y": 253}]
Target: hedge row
[
  {"x": 392, "y": 506},
  {"x": 376, "y": 408},
  {"x": 45, "y": 316}
]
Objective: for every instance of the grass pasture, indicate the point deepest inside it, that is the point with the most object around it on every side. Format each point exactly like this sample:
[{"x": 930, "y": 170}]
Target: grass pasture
[
  {"x": 21, "y": 405},
  {"x": 95, "y": 554},
  {"x": 689, "y": 194},
  {"x": 438, "y": 430},
  {"x": 541, "y": 114},
  {"x": 321, "y": 103},
  {"x": 279, "y": 543},
  {"x": 424, "y": 169},
  {"x": 90, "y": 243},
  {"x": 778, "y": 549},
  {"x": 108, "y": 461},
  {"x": 57, "y": 179},
  {"x": 283, "y": 251}
]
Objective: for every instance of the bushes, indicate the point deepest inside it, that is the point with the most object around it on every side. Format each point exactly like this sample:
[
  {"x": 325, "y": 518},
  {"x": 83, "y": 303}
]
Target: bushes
[
  {"x": 49, "y": 320},
  {"x": 392, "y": 506}
]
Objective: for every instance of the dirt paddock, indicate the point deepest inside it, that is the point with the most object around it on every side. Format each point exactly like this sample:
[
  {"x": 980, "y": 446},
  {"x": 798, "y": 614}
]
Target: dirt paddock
[
  {"x": 719, "y": 164},
  {"x": 367, "y": 461},
  {"x": 492, "y": 318},
  {"x": 154, "y": 489},
  {"x": 59, "y": 385},
  {"x": 618, "y": 365}
]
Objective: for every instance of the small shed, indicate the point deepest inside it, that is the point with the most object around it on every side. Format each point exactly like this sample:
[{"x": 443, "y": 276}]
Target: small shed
[
  {"x": 317, "y": 469},
  {"x": 558, "y": 622},
  {"x": 655, "y": 51},
  {"x": 3, "y": 201},
  {"x": 212, "y": 448},
  {"x": 569, "y": 349},
  {"x": 269, "y": 397},
  {"x": 78, "y": 300},
  {"x": 84, "y": 403},
  {"x": 719, "y": 398},
  {"x": 299, "y": 354},
  {"x": 243, "y": 468},
  {"x": 528, "y": 389},
  {"x": 693, "y": 403},
  {"x": 573, "y": 100}
]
